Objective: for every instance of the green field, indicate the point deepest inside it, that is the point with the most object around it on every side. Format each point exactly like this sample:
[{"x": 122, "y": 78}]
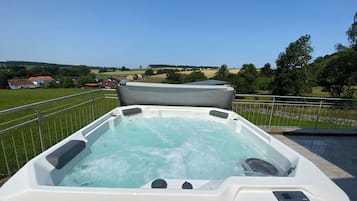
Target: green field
[{"x": 18, "y": 97}]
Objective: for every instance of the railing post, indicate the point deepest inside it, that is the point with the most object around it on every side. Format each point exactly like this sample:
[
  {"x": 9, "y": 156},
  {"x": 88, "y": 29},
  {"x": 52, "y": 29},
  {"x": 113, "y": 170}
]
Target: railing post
[
  {"x": 318, "y": 115},
  {"x": 93, "y": 112},
  {"x": 40, "y": 132},
  {"x": 5, "y": 157},
  {"x": 271, "y": 113}
]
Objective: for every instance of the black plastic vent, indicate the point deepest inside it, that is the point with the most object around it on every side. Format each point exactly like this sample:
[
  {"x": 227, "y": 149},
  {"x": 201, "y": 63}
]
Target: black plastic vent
[
  {"x": 290, "y": 196},
  {"x": 159, "y": 183},
  {"x": 219, "y": 114},
  {"x": 131, "y": 111},
  {"x": 262, "y": 166},
  {"x": 187, "y": 185}
]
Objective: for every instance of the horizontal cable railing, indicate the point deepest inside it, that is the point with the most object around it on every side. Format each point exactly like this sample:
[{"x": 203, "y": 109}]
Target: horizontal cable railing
[{"x": 272, "y": 112}]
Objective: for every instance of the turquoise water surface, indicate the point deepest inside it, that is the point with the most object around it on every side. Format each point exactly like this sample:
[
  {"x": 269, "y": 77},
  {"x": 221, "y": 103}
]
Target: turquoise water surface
[{"x": 141, "y": 149}]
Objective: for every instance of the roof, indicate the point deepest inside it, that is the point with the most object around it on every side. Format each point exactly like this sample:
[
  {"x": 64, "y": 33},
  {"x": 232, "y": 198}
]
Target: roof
[
  {"x": 44, "y": 78},
  {"x": 92, "y": 84},
  {"x": 109, "y": 82},
  {"x": 208, "y": 82},
  {"x": 19, "y": 82}
]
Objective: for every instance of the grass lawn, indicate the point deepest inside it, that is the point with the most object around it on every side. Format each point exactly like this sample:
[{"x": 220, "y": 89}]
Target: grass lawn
[
  {"x": 317, "y": 92},
  {"x": 12, "y": 98}
]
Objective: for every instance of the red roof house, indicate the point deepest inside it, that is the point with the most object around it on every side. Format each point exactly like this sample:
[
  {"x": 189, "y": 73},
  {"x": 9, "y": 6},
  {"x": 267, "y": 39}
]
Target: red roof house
[
  {"x": 20, "y": 83},
  {"x": 109, "y": 84},
  {"x": 40, "y": 80}
]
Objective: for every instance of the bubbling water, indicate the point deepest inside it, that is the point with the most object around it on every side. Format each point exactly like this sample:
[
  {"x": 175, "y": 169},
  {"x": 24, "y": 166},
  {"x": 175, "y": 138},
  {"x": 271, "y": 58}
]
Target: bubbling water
[{"x": 139, "y": 150}]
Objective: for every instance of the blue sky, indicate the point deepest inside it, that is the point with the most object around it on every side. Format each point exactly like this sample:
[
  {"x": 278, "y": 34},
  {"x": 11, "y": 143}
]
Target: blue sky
[{"x": 179, "y": 32}]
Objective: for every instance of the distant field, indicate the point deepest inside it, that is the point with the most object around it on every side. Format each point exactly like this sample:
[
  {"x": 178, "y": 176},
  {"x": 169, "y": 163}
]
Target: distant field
[
  {"x": 153, "y": 79},
  {"x": 13, "y": 98},
  {"x": 119, "y": 72},
  {"x": 209, "y": 73}
]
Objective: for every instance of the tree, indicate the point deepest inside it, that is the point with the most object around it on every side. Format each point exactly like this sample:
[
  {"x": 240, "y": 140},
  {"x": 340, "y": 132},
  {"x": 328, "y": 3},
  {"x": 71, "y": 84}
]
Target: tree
[
  {"x": 352, "y": 33},
  {"x": 83, "y": 79},
  {"x": 81, "y": 69},
  {"x": 149, "y": 72},
  {"x": 222, "y": 73},
  {"x": 291, "y": 76},
  {"x": 246, "y": 78},
  {"x": 67, "y": 72},
  {"x": 337, "y": 73},
  {"x": 265, "y": 78},
  {"x": 102, "y": 70},
  {"x": 18, "y": 71},
  {"x": 173, "y": 77},
  {"x": 123, "y": 68},
  {"x": 67, "y": 82},
  {"x": 53, "y": 70},
  {"x": 51, "y": 84},
  {"x": 340, "y": 47},
  {"x": 340, "y": 73},
  {"x": 266, "y": 71},
  {"x": 195, "y": 76},
  {"x": 38, "y": 71},
  {"x": 3, "y": 80}
]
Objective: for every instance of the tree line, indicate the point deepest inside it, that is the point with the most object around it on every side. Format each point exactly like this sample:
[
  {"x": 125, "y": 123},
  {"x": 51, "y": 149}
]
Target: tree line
[
  {"x": 180, "y": 66},
  {"x": 73, "y": 76}
]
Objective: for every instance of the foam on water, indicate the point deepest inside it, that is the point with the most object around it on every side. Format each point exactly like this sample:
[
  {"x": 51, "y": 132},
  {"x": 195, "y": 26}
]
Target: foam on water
[{"x": 141, "y": 149}]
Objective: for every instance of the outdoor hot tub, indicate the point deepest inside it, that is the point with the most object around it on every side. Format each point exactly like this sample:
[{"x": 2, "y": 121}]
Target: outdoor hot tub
[{"x": 157, "y": 152}]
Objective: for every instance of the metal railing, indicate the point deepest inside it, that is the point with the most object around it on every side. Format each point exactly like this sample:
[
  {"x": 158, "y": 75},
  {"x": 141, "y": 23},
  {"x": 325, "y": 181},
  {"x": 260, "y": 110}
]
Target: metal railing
[
  {"x": 271, "y": 112},
  {"x": 28, "y": 130}
]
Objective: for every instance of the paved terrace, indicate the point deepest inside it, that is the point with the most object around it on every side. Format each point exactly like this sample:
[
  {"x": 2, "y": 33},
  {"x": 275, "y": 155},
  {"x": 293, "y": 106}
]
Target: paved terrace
[{"x": 335, "y": 155}]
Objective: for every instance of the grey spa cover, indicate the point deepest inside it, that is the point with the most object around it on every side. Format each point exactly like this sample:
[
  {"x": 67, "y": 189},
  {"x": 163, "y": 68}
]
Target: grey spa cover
[{"x": 135, "y": 93}]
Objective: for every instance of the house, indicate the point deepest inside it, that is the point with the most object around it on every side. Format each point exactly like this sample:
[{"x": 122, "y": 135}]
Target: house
[
  {"x": 20, "y": 83},
  {"x": 92, "y": 85},
  {"x": 40, "y": 80},
  {"x": 109, "y": 84}
]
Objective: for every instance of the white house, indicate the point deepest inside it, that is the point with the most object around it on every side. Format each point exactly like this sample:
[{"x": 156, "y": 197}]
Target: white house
[{"x": 20, "y": 83}]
